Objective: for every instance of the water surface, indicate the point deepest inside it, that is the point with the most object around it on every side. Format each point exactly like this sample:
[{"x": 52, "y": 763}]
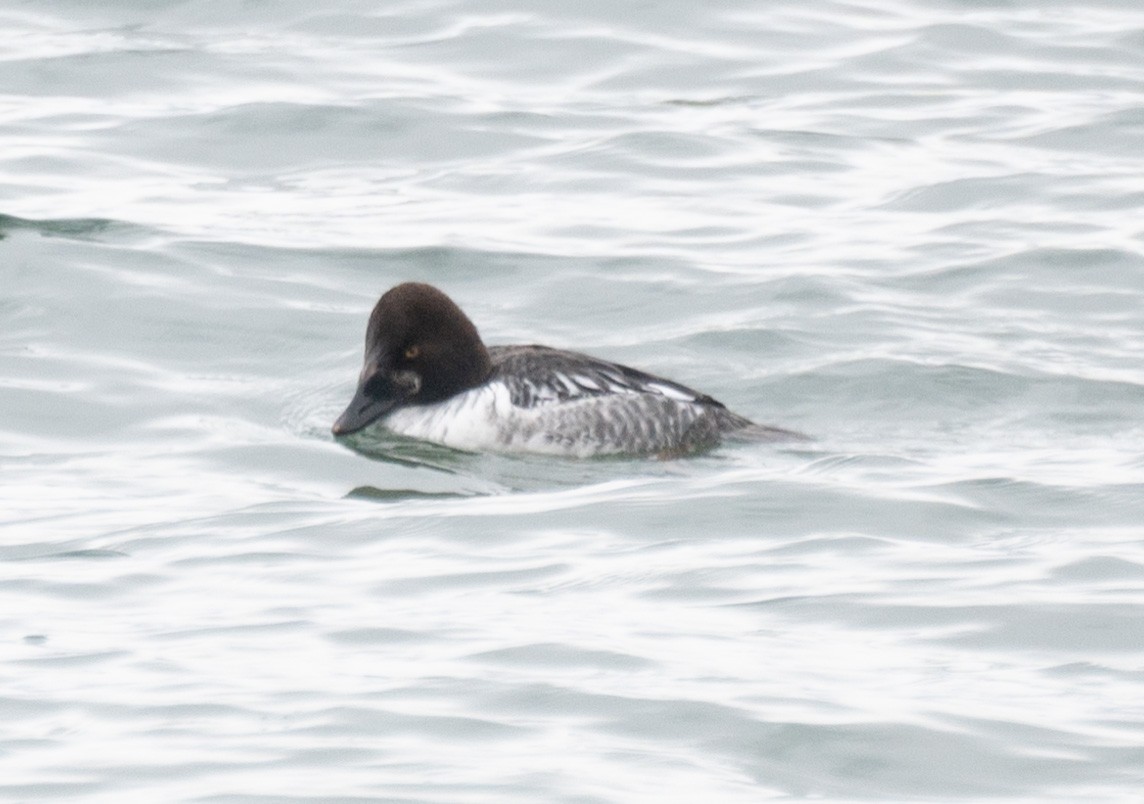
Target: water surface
[{"x": 911, "y": 230}]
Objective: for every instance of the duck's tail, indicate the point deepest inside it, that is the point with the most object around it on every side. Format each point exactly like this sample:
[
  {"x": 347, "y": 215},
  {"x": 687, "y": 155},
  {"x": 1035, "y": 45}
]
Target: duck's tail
[{"x": 740, "y": 428}]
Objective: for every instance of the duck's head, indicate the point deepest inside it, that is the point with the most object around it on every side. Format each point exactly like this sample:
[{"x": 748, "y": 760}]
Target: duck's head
[{"x": 419, "y": 348}]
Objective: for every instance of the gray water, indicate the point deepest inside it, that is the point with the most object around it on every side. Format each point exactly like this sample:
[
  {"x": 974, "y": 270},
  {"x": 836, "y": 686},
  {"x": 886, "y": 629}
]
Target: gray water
[{"x": 912, "y": 230}]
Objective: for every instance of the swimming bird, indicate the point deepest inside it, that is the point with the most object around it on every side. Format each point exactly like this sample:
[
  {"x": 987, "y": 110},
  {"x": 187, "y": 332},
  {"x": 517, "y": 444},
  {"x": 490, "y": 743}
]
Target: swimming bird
[{"x": 428, "y": 375}]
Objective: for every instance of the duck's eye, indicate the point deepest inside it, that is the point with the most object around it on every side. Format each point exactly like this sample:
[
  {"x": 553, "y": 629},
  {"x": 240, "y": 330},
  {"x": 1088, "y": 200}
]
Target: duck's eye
[{"x": 411, "y": 352}]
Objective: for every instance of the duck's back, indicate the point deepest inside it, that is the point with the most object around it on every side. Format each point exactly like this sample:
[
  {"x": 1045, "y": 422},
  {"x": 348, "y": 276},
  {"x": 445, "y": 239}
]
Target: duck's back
[{"x": 571, "y": 403}]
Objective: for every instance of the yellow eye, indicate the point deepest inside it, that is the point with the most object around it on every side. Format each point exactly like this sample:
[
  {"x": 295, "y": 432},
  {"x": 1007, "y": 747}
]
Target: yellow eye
[{"x": 412, "y": 352}]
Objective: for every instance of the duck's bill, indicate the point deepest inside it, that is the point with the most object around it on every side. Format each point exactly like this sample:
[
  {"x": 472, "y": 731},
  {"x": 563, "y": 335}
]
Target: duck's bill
[{"x": 362, "y": 411}]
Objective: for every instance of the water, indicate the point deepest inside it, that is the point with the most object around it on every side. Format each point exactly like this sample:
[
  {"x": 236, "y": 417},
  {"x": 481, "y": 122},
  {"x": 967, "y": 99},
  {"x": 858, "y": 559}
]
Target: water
[{"x": 911, "y": 230}]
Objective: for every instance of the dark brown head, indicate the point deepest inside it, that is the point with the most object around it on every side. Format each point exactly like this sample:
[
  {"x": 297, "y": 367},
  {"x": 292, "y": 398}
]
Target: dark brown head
[{"x": 419, "y": 348}]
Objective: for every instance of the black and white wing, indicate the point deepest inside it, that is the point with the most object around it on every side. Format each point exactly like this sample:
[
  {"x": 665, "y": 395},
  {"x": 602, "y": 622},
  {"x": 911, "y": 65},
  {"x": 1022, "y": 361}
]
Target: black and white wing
[
  {"x": 539, "y": 375},
  {"x": 593, "y": 406}
]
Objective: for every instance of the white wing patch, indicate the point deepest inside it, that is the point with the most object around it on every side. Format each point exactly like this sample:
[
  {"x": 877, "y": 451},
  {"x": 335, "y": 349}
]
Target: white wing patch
[{"x": 670, "y": 391}]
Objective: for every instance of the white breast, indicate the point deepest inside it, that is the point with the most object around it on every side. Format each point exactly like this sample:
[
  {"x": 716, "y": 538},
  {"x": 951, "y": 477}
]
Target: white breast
[{"x": 471, "y": 420}]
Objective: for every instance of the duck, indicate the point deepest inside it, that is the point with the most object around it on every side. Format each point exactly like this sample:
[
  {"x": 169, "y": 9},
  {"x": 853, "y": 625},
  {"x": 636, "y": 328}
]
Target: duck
[{"x": 427, "y": 375}]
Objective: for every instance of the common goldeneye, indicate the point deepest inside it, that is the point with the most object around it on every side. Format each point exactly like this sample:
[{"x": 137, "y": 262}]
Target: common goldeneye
[{"x": 427, "y": 375}]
